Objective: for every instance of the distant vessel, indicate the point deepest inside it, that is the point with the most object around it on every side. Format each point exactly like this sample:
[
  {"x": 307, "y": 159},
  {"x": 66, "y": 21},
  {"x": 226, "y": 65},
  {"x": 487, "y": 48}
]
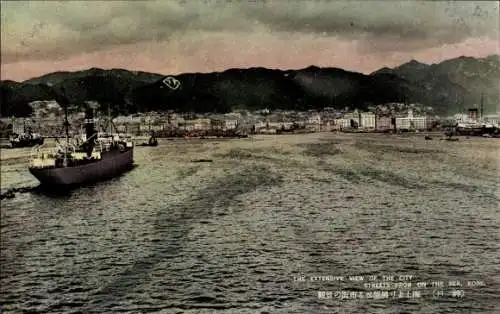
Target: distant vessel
[
  {"x": 475, "y": 125},
  {"x": 152, "y": 141},
  {"x": 25, "y": 138},
  {"x": 94, "y": 157},
  {"x": 476, "y": 129}
]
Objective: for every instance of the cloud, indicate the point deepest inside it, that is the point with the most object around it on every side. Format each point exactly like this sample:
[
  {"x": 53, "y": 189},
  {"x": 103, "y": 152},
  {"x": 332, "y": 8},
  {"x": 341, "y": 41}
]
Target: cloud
[
  {"x": 56, "y": 30},
  {"x": 385, "y": 25}
]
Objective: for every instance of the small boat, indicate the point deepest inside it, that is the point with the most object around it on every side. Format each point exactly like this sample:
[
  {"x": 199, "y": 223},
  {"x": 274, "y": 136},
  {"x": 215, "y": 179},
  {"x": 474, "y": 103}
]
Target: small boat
[
  {"x": 151, "y": 142},
  {"x": 202, "y": 160},
  {"x": 25, "y": 140}
]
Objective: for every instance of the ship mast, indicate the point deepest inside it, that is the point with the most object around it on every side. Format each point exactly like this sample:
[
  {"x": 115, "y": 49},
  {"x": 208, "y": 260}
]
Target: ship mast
[
  {"x": 109, "y": 121},
  {"x": 482, "y": 104},
  {"x": 66, "y": 129},
  {"x": 90, "y": 131},
  {"x": 66, "y": 124}
]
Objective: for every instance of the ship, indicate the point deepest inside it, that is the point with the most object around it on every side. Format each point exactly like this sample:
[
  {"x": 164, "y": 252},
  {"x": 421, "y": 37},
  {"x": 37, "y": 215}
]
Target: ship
[
  {"x": 151, "y": 142},
  {"x": 26, "y": 138},
  {"x": 76, "y": 161},
  {"x": 476, "y": 129},
  {"x": 475, "y": 125}
]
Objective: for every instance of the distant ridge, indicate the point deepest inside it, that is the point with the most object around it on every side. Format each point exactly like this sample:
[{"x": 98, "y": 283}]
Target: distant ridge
[{"x": 447, "y": 86}]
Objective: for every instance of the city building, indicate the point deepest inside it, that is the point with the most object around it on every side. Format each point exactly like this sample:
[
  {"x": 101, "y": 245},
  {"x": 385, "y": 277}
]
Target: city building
[
  {"x": 367, "y": 120},
  {"x": 412, "y": 123},
  {"x": 260, "y": 124},
  {"x": 353, "y": 117},
  {"x": 231, "y": 124},
  {"x": 217, "y": 122},
  {"x": 200, "y": 124},
  {"x": 314, "y": 119},
  {"x": 149, "y": 127},
  {"x": 327, "y": 123},
  {"x": 313, "y": 122},
  {"x": 326, "y": 126},
  {"x": 343, "y": 123},
  {"x": 273, "y": 125},
  {"x": 19, "y": 125},
  {"x": 384, "y": 123}
]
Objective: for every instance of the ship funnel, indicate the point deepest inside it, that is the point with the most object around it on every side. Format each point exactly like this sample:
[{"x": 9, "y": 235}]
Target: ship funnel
[{"x": 90, "y": 131}]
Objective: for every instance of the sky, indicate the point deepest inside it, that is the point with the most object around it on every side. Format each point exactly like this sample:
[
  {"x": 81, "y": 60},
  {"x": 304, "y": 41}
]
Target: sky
[{"x": 172, "y": 37}]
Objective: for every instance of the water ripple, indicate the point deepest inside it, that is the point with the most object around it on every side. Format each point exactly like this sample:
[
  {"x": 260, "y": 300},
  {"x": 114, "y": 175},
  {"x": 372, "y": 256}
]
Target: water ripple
[{"x": 229, "y": 236}]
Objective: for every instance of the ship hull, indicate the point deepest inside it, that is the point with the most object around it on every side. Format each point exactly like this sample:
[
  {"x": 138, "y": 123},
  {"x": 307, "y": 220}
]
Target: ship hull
[
  {"x": 477, "y": 131},
  {"x": 111, "y": 165}
]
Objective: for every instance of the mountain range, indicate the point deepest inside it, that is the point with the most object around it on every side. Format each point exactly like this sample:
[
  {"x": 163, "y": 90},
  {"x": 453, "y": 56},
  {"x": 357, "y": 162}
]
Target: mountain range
[{"x": 448, "y": 87}]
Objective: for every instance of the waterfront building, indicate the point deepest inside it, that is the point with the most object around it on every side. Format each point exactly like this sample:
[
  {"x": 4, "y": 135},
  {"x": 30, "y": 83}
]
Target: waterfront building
[
  {"x": 412, "y": 123},
  {"x": 259, "y": 124},
  {"x": 231, "y": 124},
  {"x": 314, "y": 119},
  {"x": 343, "y": 123},
  {"x": 352, "y": 116},
  {"x": 384, "y": 123},
  {"x": 313, "y": 122},
  {"x": 367, "y": 120},
  {"x": 327, "y": 124},
  {"x": 200, "y": 124}
]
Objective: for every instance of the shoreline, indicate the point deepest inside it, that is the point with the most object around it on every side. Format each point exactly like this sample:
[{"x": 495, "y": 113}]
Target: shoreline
[{"x": 5, "y": 141}]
